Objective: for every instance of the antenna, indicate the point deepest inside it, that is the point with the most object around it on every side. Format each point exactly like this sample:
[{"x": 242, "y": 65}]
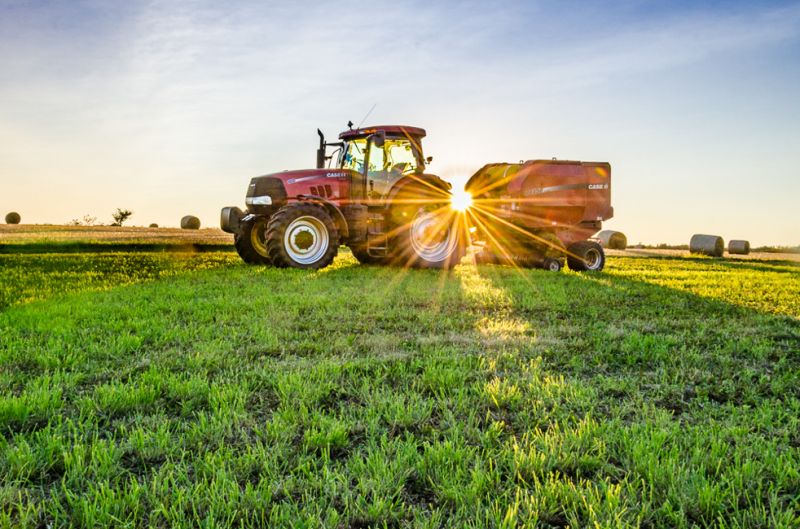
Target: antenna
[{"x": 365, "y": 117}]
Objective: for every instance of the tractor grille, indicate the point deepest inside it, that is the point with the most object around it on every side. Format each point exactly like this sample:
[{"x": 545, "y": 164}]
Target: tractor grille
[{"x": 264, "y": 185}]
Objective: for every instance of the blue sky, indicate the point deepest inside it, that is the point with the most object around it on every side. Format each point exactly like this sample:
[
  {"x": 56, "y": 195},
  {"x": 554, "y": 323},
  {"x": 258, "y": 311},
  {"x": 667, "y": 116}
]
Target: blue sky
[{"x": 168, "y": 108}]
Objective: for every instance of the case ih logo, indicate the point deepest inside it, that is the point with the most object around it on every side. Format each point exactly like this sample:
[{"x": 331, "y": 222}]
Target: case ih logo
[
  {"x": 334, "y": 175},
  {"x": 566, "y": 187}
]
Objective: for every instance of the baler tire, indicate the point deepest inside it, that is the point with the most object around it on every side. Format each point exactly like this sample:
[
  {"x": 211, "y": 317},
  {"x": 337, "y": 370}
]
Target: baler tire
[
  {"x": 250, "y": 247},
  {"x": 310, "y": 217},
  {"x": 552, "y": 265},
  {"x": 586, "y": 256}
]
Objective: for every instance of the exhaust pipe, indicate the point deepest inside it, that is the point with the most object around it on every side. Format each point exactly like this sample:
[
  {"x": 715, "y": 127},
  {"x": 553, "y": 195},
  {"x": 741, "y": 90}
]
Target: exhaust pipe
[{"x": 321, "y": 151}]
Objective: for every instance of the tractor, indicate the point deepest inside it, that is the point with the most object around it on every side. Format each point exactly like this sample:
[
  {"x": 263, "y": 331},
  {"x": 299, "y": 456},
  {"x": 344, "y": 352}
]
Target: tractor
[{"x": 370, "y": 193}]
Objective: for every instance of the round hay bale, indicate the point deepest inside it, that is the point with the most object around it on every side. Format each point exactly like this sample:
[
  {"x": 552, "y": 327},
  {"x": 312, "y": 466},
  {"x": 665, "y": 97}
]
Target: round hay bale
[
  {"x": 190, "y": 222},
  {"x": 13, "y": 218},
  {"x": 712, "y": 245},
  {"x": 739, "y": 247},
  {"x": 153, "y": 225},
  {"x": 613, "y": 240}
]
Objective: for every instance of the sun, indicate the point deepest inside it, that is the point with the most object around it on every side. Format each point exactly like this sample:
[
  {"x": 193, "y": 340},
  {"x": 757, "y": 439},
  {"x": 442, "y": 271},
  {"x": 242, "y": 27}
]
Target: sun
[{"x": 460, "y": 200}]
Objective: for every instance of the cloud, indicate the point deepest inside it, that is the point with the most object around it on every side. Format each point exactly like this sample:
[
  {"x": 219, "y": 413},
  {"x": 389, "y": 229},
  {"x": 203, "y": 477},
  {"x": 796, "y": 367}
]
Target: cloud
[{"x": 172, "y": 95}]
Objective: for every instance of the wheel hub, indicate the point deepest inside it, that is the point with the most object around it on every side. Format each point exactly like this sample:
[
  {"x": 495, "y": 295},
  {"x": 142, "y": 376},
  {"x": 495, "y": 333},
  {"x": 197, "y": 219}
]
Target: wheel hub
[
  {"x": 303, "y": 239},
  {"x": 432, "y": 237},
  {"x": 592, "y": 259},
  {"x": 258, "y": 238},
  {"x": 306, "y": 239}
]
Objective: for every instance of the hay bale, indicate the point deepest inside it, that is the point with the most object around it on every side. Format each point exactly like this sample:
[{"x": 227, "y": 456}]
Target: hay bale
[
  {"x": 13, "y": 218},
  {"x": 190, "y": 222},
  {"x": 153, "y": 225},
  {"x": 712, "y": 245},
  {"x": 739, "y": 247},
  {"x": 613, "y": 240}
]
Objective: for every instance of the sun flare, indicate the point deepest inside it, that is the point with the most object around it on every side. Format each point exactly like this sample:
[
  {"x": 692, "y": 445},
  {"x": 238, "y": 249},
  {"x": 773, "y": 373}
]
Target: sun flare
[{"x": 460, "y": 200}]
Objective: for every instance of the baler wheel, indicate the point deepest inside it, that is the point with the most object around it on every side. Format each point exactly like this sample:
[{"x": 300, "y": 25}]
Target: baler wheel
[
  {"x": 552, "y": 265},
  {"x": 250, "y": 243},
  {"x": 302, "y": 235},
  {"x": 586, "y": 256}
]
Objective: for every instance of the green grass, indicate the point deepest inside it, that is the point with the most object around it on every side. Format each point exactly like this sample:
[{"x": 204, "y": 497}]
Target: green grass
[
  {"x": 28, "y": 277},
  {"x": 184, "y": 391}
]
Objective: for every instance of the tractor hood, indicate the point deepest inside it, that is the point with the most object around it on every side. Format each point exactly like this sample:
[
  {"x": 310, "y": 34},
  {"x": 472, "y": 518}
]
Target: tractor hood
[{"x": 301, "y": 175}]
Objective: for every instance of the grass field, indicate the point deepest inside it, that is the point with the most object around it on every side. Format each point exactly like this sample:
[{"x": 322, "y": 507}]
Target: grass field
[{"x": 187, "y": 390}]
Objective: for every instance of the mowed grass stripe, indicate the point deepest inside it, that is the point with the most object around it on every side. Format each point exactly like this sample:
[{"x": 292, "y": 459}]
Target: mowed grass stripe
[{"x": 366, "y": 396}]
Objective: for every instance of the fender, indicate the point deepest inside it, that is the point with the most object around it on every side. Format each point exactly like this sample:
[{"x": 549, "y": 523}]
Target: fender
[
  {"x": 333, "y": 209},
  {"x": 430, "y": 179}
]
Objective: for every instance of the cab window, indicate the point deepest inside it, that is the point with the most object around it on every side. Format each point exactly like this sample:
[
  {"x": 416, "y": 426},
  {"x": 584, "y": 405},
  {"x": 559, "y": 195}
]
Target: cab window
[
  {"x": 353, "y": 155},
  {"x": 400, "y": 156}
]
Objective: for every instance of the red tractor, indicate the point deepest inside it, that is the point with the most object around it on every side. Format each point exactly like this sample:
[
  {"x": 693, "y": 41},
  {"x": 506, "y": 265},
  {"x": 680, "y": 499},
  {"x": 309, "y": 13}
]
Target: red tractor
[{"x": 374, "y": 196}]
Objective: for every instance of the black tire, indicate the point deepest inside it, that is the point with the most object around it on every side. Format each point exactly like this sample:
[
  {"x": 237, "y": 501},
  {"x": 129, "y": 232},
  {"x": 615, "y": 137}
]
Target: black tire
[
  {"x": 552, "y": 265},
  {"x": 306, "y": 221},
  {"x": 417, "y": 211},
  {"x": 250, "y": 242},
  {"x": 586, "y": 256}
]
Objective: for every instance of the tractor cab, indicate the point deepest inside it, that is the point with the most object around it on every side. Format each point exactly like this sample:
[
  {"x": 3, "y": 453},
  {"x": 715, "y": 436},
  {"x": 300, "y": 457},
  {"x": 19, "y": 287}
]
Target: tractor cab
[{"x": 381, "y": 156}]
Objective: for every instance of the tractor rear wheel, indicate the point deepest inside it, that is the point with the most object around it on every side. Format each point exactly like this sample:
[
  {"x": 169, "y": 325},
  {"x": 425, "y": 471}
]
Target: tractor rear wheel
[
  {"x": 432, "y": 239},
  {"x": 302, "y": 235},
  {"x": 586, "y": 256},
  {"x": 250, "y": 242}
]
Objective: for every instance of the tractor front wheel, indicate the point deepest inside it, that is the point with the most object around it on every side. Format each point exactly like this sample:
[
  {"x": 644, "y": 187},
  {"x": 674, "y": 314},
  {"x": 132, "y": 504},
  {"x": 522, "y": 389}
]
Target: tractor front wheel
[
  {"x": 250, "y": 242},
  {"x": 302, "y": 235},
  {"x": 586, "y": 256}
]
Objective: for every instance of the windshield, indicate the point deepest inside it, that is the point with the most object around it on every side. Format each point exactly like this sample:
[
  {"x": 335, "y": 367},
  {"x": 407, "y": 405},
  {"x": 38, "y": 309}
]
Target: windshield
[
  {"x": 397, "y": 155},
  {"x": 353, "y": 155}
]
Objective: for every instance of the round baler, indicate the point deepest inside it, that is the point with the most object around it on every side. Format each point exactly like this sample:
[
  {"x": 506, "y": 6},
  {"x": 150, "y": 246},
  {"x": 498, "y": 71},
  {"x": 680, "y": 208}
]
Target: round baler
[{"x": 535, "y": 212}]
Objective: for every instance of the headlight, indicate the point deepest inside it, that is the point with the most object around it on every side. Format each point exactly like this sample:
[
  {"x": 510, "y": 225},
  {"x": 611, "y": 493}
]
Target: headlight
[{"x": 264, "y": 200}]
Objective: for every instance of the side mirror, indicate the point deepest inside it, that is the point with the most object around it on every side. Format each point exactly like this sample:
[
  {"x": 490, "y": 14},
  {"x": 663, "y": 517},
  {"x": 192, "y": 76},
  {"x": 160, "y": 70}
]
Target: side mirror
[
  {"x": 429, "y": 159},
  {"x": 379, "y": 138}
]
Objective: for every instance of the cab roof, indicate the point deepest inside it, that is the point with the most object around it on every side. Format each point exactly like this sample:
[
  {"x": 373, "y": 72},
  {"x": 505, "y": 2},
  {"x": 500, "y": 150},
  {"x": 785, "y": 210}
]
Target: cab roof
[{"x": 399, "y": 130}]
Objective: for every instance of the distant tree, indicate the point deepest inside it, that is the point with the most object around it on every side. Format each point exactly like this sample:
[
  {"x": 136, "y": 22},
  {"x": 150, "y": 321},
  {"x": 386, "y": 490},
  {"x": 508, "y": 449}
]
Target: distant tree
[
  {"x": 87, "y": 220},
  {"x": 120, "y": 216}
]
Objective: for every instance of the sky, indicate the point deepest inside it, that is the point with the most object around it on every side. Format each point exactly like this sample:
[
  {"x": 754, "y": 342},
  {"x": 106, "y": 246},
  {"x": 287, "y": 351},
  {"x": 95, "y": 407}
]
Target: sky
[{"x": 169, "y": 108}]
